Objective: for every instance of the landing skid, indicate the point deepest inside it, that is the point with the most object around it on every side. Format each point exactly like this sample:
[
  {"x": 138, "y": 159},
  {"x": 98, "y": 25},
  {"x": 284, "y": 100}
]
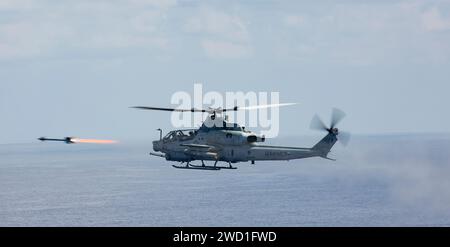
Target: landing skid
[
  {"x": 211, "y": 168},
  {"x": 217, "y": 167}
]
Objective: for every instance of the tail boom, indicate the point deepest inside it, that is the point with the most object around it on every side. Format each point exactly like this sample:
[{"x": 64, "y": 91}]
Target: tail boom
[{"x": 323, "y": 147}]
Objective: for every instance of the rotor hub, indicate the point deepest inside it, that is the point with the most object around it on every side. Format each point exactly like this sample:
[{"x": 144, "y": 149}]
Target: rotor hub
[{"x": 335, "y": 131}]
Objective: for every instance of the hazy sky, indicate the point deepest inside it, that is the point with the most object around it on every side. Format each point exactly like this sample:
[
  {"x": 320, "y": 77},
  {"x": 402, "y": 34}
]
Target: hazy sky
[{"x": 74, "y": 67}]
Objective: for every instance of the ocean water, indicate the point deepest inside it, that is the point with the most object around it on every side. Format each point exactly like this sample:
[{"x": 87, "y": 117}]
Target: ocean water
[{"x": 401, "y": 180}]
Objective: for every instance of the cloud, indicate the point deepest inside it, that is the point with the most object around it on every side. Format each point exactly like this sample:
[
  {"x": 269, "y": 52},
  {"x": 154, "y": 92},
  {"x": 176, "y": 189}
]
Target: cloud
[
  {"x": 44, "y": 29},
  {"x": 224, "y": 49},
  {"x": 294, "y": 20},
  {"x": 432, "y": 20},
  {"x": 386, "y": 32},
  {"x": 221, "y": 35},
  {"x": 212, "y": 22},
  {"x": 24, "y": 39},
  {"x": 156, "y": 3},
  {"x": 16, "y": 4},
  {"x": 147, "y": 21},
  {"x": 367, "y": 33}
]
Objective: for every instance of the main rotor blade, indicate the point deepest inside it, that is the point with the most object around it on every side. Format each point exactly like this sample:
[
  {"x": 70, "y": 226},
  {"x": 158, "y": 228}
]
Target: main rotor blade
[
  {"x": 212, "y": 110},
  {"x": 253, "y": 107},
  {"x": 168, "y": 109},
  {"x": 336, "y": 116},
  {"x": 317, "y": 124},
  {"x": 344, "y": 137}
]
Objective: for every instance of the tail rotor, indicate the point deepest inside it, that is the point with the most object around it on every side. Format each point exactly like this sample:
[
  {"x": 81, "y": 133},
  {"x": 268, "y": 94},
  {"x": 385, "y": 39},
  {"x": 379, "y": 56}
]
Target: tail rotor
[{"x": 336, "y": 117}]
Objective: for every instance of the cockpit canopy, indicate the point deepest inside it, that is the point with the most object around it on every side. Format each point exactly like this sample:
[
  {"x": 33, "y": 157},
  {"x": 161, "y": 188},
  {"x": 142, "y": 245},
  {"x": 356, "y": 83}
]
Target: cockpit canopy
[{"x": 180, "y": 135}]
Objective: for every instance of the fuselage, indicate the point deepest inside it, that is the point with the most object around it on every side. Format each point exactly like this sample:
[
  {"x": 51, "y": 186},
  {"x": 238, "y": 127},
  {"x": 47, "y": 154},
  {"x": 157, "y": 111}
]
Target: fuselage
[{"x": 230, "y": 145}]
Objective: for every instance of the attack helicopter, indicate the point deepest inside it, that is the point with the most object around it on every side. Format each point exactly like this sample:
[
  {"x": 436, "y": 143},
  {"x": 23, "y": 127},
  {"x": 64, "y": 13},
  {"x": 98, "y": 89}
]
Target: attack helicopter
[{"x": 219, "y": 140}]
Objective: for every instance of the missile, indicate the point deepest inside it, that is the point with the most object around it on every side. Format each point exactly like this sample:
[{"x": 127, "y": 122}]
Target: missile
[{"x": 67, "y": 140}]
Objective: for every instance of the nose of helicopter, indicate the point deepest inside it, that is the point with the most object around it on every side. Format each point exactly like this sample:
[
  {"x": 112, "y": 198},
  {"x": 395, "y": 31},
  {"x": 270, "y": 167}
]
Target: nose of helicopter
[{"x": 157, "y": 146}]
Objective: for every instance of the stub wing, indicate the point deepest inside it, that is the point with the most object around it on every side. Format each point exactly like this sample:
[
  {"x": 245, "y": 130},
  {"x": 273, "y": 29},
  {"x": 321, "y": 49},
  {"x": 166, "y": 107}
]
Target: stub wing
[
  {"x": 201, "y": 151},
  {"x": 198, "y": 146}
]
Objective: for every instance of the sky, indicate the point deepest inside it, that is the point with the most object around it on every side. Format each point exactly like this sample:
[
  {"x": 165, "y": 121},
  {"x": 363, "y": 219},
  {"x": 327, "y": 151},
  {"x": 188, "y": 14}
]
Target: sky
[{"x": 72, "y": 68}]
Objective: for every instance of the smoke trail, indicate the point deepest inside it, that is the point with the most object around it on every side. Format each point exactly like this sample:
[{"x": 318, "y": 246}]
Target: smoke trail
[{"x": 78, "y": 140}]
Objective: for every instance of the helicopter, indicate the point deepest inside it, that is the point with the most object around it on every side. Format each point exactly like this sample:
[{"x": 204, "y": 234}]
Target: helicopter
[{"x": 219, "y": 140}]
